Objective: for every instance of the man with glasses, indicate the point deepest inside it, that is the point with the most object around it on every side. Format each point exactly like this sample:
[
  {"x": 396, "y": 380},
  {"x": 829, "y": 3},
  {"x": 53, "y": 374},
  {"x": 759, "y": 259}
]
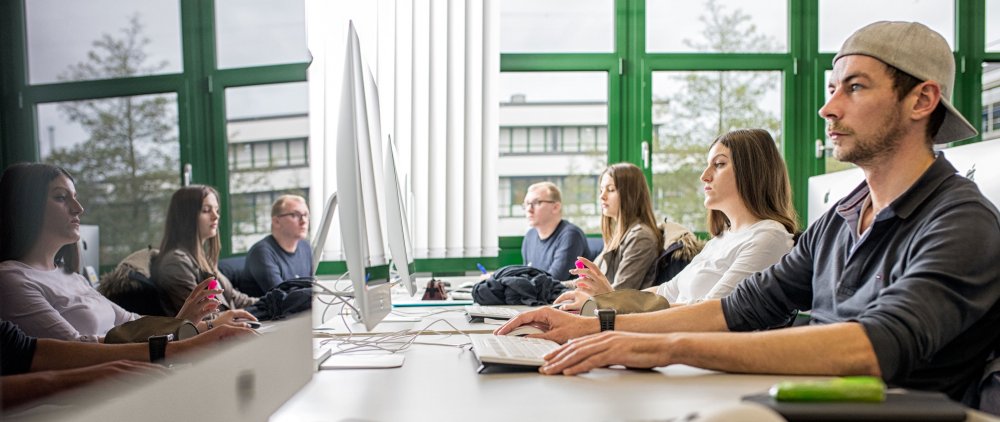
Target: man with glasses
[
  {"x": 552, "y": 244},
  {"x": 283, "y": 255}
]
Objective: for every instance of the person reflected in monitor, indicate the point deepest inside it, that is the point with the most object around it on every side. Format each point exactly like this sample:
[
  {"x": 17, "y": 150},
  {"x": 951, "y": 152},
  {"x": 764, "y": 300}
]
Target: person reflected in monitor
[
  {"x": 750, "y": 218},
  {"x": 189, "y": 251},
  {"x": 284, "y": 254},
  {"x": 35, "y": 368},
  {"x": 552, "y": 243},
  {"x": 900, "y": 275},
  {"x": 41, "y": 289}
]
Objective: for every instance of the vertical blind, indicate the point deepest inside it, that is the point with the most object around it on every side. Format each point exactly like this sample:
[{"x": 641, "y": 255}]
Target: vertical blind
[{"x": 436, "y": 64}]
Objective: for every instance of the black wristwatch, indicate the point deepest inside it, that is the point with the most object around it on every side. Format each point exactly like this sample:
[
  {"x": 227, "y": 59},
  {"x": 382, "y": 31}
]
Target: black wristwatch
[
  {"x": 607, "y": 319},
  {"x": 158, "y": 347}
]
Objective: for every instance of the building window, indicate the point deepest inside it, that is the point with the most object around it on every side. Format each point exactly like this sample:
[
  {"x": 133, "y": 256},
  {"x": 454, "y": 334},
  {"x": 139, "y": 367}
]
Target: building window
[
  {"x": 271, "y": 155},
  {"x": 251, "y": 214},
  {"x": 579, "y": 201}
]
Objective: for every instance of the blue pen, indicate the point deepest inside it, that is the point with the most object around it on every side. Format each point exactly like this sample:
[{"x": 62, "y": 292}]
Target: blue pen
[{"x": 481, "y": 267}]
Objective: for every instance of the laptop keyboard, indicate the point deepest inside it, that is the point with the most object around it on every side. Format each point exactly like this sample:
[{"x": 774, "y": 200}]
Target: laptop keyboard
[{"x": 511, "y": 350}]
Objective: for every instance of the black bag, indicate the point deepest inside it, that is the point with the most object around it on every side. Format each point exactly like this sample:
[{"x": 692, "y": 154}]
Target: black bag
[
  {"x": 518, "y": 285},
  {"x": 140, "y": 330},
  {"x": 289, "y": 297}
]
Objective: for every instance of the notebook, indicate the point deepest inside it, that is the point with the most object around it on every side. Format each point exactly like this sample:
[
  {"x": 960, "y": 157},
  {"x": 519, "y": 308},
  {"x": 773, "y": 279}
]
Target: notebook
[{"x": 898, "y": 406}]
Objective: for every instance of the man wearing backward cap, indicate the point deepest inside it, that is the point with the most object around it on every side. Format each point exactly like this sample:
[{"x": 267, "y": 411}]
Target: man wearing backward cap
[{"x": 900, "y": 276}]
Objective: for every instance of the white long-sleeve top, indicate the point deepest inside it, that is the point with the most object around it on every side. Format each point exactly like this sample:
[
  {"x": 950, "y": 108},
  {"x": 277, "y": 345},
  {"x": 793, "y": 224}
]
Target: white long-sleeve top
[
  {"x": 726, "y": 260},
  {"x": 53, "y": 304}
]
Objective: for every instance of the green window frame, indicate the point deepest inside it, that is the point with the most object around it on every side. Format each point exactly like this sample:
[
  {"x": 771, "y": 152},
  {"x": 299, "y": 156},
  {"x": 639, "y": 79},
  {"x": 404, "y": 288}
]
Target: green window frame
[{"x": 199, "y": 87}]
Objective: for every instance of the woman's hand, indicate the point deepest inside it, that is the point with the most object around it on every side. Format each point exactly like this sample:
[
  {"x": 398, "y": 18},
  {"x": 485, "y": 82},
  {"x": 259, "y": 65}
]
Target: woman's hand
[
  {"x": 575, "y": 299},
  {"x": 197, "y": 305},
  {"x": 236, "y": 318},
  {"x": 592, "y": 281}
]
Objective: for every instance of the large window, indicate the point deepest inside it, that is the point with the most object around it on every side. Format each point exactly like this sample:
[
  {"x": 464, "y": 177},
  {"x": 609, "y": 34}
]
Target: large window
[
  {"x": 557, "y": 26},
  {"x": 267, "y": 130},
  {"x": 717, "y": 26},
  {"x": 553, "y": 127},
  {"x": 130, "y": 38},
  {"x": 690, "y": 109},
  {"x": 123, "y": 154},
  {"x": 260, "y": 32},
  {"x": 839, "y": 18},
  {"x": 990, "y": 127},
  {"x": 137, "y": 98}
]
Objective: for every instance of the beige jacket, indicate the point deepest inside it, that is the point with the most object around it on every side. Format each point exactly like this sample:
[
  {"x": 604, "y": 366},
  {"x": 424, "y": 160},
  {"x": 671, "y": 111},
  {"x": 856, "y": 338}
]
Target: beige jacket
[
  {"x": 176, "y": 274},
  {"x": 631, "y": 265}
]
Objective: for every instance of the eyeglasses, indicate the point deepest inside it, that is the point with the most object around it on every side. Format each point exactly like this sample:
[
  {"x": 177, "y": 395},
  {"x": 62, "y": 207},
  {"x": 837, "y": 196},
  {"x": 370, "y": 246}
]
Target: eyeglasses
[
  {"x": 295, "y": 215},
  {"x": 536, "y": 203}
]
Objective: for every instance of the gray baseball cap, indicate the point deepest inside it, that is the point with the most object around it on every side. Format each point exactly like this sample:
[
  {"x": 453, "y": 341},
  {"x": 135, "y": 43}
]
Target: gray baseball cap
[{"x": 919, "y": 51}]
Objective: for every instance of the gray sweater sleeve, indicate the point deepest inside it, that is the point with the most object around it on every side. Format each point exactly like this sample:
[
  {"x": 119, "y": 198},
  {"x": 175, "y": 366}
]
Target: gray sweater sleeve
[{"x": 946, "y": 290}]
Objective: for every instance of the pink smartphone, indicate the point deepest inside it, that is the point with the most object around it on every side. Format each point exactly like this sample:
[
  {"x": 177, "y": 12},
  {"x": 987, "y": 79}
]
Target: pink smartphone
[
  {"x": 580, "y": 266},
  {"x": 212, "y": 285}
]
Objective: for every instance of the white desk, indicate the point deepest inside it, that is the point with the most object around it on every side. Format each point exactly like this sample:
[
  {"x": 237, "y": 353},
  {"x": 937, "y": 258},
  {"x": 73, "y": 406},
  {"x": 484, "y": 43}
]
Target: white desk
[
  {"x": 441, "y": 384},
  {"x": 454, "y": 315}
]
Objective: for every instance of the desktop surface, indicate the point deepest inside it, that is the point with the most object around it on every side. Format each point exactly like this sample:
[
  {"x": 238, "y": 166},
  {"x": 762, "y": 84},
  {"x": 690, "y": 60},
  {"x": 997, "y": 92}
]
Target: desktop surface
[{"x": 440, "y": 383}]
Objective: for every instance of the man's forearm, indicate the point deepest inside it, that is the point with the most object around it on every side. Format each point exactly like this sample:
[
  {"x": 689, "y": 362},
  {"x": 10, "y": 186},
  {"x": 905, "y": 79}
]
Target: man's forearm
[
  {"x": 835, "y": 349},
  {"x": 702, "y": 317}
]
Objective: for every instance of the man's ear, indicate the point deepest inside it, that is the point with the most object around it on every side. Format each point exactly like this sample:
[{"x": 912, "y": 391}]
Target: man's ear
[
  {"x": 557, "y": 206},
  {"x": 928, "y": 94}
]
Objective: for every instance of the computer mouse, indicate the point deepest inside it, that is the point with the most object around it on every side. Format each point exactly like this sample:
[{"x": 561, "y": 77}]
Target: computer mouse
[{"x": 525, "y": 330}]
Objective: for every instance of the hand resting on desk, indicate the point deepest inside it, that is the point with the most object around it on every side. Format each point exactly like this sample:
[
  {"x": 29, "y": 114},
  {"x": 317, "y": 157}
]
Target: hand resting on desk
[{"x": 608, "y": 348}]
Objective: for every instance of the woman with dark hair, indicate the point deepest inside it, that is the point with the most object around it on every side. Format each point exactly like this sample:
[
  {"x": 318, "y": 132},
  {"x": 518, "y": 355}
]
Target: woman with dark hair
[
  {"x": 750, "y": 218},
  {"x": 190, "y": 250},
  {"x": 40, "y": 289},
  {"x": 632, "y": 241}
]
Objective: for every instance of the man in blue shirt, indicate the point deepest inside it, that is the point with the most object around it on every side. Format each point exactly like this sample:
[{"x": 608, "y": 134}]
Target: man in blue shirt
[
  {"x": 552, "y": 244},
  {"x": 284, "y": 254},
  {"x": 901, "y": 275}
]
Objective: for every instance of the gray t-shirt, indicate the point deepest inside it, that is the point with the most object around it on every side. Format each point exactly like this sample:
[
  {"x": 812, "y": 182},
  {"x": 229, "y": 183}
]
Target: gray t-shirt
[
  {"x": 267, "y": 265},
  {"x": 922, "y": 281},
  {"x": 557, "y": 253}
]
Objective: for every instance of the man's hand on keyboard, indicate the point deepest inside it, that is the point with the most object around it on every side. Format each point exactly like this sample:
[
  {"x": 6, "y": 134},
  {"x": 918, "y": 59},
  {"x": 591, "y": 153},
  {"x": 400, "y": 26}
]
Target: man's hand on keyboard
[
  {"x": 608, "y": 348},
  {"x": 562, "y": 326}
]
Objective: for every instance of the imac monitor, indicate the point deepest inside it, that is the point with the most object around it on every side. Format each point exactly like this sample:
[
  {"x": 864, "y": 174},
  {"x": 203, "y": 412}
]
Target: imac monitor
[
  {"x": 90, "y": 252},
  {"x": 397, "y": 226},
  {"x": 244, "y": 379},
  {"x": 372, "y": 298},
  {"x": 319, "y": 242}
]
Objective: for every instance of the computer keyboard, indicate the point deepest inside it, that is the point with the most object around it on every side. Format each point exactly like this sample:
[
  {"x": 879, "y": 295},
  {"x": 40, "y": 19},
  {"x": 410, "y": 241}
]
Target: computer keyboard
[
  {"x": 510, "y": 350},
  {"x": 477, "y": 313}
]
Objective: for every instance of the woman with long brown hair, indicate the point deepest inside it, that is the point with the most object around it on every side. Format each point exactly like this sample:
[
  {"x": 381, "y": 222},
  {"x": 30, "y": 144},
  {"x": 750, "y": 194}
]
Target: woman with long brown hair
[
  {"x": 631, "y": 239},
  {"x": 189, "y": 252},
  {"x": 750, "y": 218}
]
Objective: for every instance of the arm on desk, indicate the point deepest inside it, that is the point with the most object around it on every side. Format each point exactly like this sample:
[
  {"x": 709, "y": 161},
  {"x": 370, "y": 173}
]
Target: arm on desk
[{"x": 835, "y": 349}]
